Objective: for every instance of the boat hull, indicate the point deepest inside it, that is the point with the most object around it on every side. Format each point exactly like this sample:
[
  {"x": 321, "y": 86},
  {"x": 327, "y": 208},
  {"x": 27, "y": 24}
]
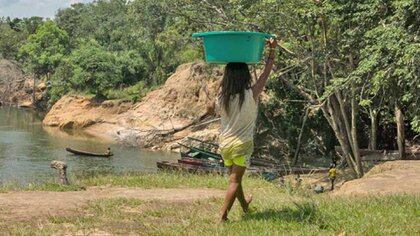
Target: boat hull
[{"x": 83, "y": 153}]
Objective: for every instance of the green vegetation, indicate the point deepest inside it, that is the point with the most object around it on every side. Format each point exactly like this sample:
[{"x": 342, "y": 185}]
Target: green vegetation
[
  {"x": 349, "y": 69},
  {"x": 44, "y": 50},
  {"x": 275, "y": 211},
  {"x": 110, "y": 46},
  {"x": 81, "y": 180}
]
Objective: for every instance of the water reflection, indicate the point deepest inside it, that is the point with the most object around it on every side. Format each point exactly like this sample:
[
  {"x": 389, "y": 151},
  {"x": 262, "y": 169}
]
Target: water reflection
[{"x": 27, "y": 148}]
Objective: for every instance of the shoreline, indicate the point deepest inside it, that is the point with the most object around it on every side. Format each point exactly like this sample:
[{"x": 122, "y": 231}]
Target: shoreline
[{"x": 156, "y": 122}]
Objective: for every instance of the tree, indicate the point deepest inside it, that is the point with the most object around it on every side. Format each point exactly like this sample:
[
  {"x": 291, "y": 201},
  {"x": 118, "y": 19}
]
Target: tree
[
  {"x": 44, "y": 50},
  {"x": 390, "y": 61},
  {"x": 10, "y": 41},
  {"x": 93, "y": 69},
  {"x": 70, "y": 19},
  {"x": 343, "y": 67}
]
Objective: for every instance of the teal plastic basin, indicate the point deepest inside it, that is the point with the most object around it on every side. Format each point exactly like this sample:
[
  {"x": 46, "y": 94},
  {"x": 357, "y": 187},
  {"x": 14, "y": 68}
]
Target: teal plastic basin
[{"x": 221, "y": 47}]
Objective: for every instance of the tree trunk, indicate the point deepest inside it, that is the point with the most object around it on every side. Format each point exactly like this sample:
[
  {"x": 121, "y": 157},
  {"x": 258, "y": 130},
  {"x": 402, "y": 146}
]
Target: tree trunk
[
  {"x": 344, "y": 114},
  {"x": 399, "y": 119},
  {"x": 333, "y": 120},
  {"x": 356, "y": 151},
  {"x": 373, "y": 129},
  {"x": 296, "y": 157}
]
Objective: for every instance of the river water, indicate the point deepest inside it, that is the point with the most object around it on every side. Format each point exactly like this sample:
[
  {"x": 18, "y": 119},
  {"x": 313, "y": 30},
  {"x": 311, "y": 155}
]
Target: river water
[{"x": 27, "y": 148}]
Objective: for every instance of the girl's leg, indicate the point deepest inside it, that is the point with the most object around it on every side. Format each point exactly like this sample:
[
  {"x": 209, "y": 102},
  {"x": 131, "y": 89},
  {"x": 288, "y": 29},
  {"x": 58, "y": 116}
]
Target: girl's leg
[
  {"x": 241, "y": 198},
  {"x": 235, "y": 179},
  {"x": 231, "y": 204}
]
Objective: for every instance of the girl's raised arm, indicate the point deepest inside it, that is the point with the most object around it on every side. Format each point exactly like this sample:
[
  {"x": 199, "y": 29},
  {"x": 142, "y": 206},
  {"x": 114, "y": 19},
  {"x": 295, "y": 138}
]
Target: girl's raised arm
[{"x": 259, "y": 85}]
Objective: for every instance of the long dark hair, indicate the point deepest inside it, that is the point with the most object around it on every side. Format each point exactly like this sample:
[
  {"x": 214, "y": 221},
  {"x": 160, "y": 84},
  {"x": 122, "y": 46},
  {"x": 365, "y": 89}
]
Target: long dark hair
[{"x": 236, "y": 80}]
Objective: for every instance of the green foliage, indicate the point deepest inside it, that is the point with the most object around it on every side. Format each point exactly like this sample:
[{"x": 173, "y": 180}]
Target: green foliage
[
  {"x": 27, "y": 25},
  {"x": 133, "y": 67},
  {"x": 45, "y": 49},
  {"x": 59, "y": 83},
  {"x": 94, "y": 69},
  {"x": 133, "y": 93},
  {"x": 10, "y": 41},
  {"x": 121, "y": 49},
  {"x": 390, "y": 58}
]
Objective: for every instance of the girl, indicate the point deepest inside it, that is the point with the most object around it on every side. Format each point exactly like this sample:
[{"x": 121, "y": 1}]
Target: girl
[{"x": 237, "y": 100}]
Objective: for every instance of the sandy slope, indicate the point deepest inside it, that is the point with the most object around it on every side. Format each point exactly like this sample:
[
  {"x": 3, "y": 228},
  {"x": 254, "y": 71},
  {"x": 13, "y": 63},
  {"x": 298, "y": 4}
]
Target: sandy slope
[{"x": 393, "y": 177}]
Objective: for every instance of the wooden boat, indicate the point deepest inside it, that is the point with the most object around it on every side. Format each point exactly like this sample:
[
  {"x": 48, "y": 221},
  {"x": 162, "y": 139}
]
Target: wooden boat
[
  {"x": 210, "y": 153},
  {"x": 199, "y": 153},
  {"x": 174, "y": 166},
  {"x": 84, "y": 153},
  {"x": 195, "y": 148},
  {"x": 204, "y": 158},
  {"x": 192, "y": 161},
  {"x": 199, "y": 162}
]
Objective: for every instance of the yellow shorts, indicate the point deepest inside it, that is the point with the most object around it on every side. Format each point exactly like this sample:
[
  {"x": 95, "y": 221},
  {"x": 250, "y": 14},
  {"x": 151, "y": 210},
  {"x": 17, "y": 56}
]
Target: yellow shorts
[{"x": 237, "y": 154}]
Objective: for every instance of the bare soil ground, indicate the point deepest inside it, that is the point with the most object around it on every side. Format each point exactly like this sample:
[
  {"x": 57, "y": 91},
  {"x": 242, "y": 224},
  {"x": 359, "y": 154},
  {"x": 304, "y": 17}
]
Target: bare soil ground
[
  {"x": 394, "y": 177},
  {"x": 25, "y": 205}
]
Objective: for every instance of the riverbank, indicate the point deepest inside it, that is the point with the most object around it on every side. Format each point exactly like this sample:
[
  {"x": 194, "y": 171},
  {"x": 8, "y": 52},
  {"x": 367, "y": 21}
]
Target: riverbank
[
  {"x": 190, "y": 204},
  {"x": 27, "y": 149},
  {"x": 169, "y": 113},
  {"x": 164, "y": 116}
]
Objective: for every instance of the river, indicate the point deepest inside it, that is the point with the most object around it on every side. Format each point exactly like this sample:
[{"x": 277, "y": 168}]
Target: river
[{"x": 27, "y": 148}]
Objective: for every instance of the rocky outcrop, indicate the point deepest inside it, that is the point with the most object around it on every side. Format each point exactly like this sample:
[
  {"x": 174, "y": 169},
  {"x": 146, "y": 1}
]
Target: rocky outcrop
[
  {"x": 164, "y": 116},
  {"x": 17, "y": 88}
]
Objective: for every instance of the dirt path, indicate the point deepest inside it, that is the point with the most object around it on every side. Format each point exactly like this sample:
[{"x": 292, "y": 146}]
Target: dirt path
[
  {"x": 26, "y": 205},
  {"x": 394, "y": 177}
]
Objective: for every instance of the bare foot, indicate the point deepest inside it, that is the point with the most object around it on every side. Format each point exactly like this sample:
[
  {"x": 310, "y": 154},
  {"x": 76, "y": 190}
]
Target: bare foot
[
  {"x": 224, "y": 217},
  {"x": 248, "y": 201}
]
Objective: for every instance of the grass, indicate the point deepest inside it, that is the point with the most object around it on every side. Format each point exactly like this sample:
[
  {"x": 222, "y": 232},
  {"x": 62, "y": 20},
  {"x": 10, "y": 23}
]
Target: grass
[
  {"x": 165, "y": 180},
  {"x": 275, "y": 210},
  {"x": 79, "y": 181}
]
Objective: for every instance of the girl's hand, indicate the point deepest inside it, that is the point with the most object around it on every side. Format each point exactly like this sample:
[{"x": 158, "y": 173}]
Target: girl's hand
[{"x": 272, "y": 42}]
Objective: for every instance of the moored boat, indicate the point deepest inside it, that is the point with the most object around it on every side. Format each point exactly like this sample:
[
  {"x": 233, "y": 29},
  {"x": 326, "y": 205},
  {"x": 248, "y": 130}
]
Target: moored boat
[
  {"x": 174, "y": 166},
  {"x": 204, "y": 158},
  {"x": 199, "y": 162},
  {"x": 85, "y": 153}
]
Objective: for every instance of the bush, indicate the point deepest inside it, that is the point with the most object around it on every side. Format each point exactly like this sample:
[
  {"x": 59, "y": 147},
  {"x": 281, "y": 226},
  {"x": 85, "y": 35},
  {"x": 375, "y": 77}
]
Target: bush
[
  {"x": 133, "y": 93},
  {"x": 95, "y": 70}
]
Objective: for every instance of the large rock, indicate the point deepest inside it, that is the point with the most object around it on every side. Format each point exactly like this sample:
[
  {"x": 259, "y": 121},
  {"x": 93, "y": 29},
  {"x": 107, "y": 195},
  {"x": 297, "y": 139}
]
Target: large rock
[
  {"x": 17, "y": 88},
  {"x": 157, "y": 121}
]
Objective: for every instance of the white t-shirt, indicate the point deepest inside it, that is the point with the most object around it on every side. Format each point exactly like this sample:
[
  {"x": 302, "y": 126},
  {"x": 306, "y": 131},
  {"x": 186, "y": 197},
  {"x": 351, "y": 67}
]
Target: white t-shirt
[{"x": 238, "y": 125}]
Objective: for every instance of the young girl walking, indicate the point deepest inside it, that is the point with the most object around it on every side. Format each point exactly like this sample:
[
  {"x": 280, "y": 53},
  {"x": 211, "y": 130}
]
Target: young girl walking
[{"x": 237, "y": 101}]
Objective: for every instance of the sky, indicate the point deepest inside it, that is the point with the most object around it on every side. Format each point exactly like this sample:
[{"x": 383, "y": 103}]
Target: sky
[{"x": 28, "y": 8}]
